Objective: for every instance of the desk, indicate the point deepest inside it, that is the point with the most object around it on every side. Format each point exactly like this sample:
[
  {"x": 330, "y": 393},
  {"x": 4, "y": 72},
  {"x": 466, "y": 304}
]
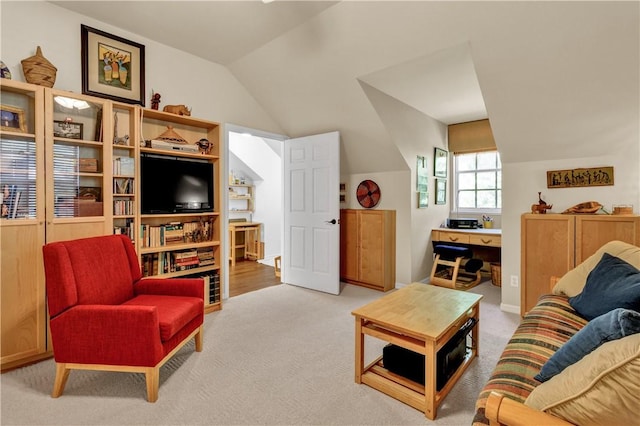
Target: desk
[
  {"x": 421, "y": 318},
  {"x": 485, "y": 243},
  {"x": 251, "y": 243}
]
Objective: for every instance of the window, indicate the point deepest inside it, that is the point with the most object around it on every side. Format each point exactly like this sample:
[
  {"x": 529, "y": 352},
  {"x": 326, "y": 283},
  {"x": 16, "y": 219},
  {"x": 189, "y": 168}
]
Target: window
[{"x": 478, "y": 181}]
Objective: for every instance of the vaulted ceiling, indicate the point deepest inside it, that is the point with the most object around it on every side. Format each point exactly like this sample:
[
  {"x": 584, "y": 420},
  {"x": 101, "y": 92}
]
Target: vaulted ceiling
[{"x": 556, "y": 79}]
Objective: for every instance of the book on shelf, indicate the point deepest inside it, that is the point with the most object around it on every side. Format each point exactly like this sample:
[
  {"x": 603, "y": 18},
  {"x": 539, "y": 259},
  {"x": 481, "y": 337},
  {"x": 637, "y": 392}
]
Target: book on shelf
[
  {"x": 123, "y": 166},
  {"x": 10, "y": 200}
]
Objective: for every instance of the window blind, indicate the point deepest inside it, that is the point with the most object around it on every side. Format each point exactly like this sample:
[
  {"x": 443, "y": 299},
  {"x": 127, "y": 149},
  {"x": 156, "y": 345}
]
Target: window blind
[{"x": 473, "y": 136}]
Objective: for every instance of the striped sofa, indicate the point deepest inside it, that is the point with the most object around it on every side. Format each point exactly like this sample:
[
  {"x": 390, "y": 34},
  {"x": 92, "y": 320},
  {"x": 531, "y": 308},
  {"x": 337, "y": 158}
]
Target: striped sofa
[
  {"x": 601, "y": 388},
  {"x": 545, "y": 328}
]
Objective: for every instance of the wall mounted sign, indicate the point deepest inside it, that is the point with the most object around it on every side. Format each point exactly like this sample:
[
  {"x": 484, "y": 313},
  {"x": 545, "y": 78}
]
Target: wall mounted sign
[{"x": 572, "y": 178}]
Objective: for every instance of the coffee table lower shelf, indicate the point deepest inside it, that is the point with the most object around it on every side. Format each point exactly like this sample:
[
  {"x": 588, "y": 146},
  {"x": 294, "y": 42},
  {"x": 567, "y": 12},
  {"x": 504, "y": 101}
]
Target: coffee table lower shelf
[{"x": 405, "y": 390}]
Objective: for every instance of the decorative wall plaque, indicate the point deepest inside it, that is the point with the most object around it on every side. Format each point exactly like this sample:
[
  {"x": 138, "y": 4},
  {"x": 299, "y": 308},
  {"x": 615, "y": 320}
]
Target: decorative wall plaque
[{"x": 595, "y": 176}]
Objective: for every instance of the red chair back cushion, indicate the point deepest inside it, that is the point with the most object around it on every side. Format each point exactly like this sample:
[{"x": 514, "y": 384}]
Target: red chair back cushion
[{"x": 90, "y": 271}]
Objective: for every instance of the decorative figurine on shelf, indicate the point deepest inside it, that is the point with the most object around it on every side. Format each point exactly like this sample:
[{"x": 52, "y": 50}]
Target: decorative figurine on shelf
[
  {"x": 155, "y": 100},
  {"x": 38, "y": 70},
  {"x": 541, "y": 207},
  {"x": 205, "y": 146},
  {"x": 588, "y": 207},
  {"x": 124, "y": 140},
  {"x": 4, "y": 71},
  {"x": 177, "y": 109}
]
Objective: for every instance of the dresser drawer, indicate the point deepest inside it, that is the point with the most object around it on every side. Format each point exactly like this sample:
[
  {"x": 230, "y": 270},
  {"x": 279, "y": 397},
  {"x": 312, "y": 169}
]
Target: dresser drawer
[
  {"x": 453, "y": 237},
  {"x": 486, "y": 240}
]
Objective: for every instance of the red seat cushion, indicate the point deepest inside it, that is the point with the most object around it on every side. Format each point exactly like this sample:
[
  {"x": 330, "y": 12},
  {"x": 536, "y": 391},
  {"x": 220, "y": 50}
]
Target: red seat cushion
[{"x": 174, "y": 312}]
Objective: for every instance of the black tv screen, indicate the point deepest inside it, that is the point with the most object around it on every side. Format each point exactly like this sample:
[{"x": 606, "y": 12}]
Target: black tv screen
[{"x": 175, "y": 185}]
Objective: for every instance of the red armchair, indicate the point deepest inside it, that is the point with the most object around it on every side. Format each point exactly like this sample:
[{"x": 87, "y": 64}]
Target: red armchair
[{"x": 105, "y": 316}]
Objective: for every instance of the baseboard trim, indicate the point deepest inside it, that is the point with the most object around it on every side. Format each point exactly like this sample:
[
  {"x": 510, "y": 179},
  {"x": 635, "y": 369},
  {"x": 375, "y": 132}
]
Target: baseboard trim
[{"x": 514, "y": 309}]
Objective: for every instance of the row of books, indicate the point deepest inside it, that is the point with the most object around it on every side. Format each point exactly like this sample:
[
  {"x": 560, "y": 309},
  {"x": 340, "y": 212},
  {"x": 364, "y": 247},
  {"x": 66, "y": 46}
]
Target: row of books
[
  {"x": 167, "y": 262},
  {"x": 9, "y": 200},
  {"x": 123, "y": 207},
  {"x": 175, "y": 233},
  {"x": 123, "y": 166},
  {"x": 211, "y": 285}
]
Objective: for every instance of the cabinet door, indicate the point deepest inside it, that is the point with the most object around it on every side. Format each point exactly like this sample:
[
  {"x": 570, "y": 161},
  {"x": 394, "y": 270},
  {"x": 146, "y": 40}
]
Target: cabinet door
[
  {"x": 348, "y": 245},
  {"x": 77, "y": 129},
  {"x": 593, "y": 231},
  {"x": 22, "y": 301},
  {"x": 372, "y": 244},
  {"x": 547, "y": 250}
]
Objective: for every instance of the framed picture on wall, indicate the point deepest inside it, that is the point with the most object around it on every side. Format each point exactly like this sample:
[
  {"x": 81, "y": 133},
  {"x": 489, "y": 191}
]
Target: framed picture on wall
[
  {"x": 112, "y": 67},
  {"x": 440, "y": 162},
  {"x": 422, "y": 176},
  {"x": 441, "y": 191},
  {"x": 423, "y": 200}
]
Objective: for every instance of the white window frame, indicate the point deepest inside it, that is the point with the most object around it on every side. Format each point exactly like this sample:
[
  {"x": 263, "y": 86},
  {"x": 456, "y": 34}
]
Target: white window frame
[{"x": 456, "y": 208}]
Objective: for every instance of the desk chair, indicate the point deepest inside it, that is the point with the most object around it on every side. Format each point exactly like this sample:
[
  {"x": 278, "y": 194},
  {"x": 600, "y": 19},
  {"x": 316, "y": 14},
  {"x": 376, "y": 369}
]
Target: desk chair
[{"x": 446, "y": 270}]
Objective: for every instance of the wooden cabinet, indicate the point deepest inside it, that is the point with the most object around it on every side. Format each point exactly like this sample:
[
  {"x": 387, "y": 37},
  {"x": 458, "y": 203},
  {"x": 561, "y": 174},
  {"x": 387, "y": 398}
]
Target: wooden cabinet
[
  {"x": 368, "y": 248},
  {"x": 78, "y": 135},
  {"x": 553, "y": 244}
]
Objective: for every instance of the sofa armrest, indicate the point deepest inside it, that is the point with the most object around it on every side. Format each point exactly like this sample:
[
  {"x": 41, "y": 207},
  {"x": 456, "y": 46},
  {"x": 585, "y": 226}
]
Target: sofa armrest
[
  {"x": 107, "y": 334},
  {"x": 505, "y": 411},
  {"x": 191, "y": 287}
]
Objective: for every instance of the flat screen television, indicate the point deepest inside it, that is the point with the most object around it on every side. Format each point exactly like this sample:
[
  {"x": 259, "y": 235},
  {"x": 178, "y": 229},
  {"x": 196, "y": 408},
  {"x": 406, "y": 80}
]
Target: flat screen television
[{"x": 175, "y": 185}]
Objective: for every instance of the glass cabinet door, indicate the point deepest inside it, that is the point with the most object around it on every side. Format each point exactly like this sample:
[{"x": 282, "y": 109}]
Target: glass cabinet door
[
  {"x": 21, "y": 149},
  {"x": 76, "y": 131}
]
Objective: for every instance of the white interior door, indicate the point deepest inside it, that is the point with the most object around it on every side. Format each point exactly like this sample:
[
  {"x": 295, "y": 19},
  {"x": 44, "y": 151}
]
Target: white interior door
[{"x": 311, "y": 212}]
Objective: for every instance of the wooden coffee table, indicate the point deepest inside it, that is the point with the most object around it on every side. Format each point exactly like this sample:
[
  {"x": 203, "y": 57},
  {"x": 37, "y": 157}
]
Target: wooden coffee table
[{"x": 421, "y": 318}]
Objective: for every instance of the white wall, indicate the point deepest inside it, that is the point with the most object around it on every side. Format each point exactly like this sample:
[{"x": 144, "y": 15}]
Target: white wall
[
  {"x": 181, "y": 78},
  {"x": 414, "y": 134}
]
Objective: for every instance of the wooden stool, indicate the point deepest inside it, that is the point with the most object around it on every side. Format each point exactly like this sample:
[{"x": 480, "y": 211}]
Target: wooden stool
[
  {"x": 446, "y": 268},
  {"x": 277, "y": 262}
]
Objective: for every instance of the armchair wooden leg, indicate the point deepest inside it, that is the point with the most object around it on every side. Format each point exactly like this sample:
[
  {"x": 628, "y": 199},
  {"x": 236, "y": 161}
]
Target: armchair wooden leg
[
  {"x": 62, "y": 374},
  {"x": 199, "y": 339},
  {"x": 153, "y": 381}
]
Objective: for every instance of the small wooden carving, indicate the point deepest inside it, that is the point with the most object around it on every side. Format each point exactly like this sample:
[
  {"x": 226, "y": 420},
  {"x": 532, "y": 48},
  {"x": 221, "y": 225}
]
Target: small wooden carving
[
  {"x": 541, "y": 207},
  {"x": 588, "y": 207},
  {"x": 177, "y": 109}
]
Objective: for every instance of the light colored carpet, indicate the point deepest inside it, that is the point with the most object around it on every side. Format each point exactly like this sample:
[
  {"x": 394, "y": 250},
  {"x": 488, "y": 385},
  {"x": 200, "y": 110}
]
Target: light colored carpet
[{"x": 278, "y": 356}]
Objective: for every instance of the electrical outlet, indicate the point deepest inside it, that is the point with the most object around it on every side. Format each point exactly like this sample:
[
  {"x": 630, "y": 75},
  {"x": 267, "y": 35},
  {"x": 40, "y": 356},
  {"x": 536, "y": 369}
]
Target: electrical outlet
[{"x": 514, "y": 281}]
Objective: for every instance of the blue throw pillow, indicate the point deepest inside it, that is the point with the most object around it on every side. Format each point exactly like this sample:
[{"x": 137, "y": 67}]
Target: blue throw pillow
[
  {"x": 613, "y": 283},
  {"x": 610, "y": 326}
]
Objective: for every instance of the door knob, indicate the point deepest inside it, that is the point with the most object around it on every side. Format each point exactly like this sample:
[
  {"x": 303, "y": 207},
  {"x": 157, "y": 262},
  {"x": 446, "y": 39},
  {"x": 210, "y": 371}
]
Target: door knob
[{"x": 332, "y": 221}]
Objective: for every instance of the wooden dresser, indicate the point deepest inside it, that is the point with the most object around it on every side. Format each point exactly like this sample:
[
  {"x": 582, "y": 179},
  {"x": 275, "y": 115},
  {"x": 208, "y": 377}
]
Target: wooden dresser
[
  {"x": 553, "y": 244},
  {"x": 368, "y": 248}
]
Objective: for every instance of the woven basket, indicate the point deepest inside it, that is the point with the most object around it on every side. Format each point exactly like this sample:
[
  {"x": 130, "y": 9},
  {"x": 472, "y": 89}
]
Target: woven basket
[
  {"x": 496, "y": 274},
  {"x": 38, "y": 70}
]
